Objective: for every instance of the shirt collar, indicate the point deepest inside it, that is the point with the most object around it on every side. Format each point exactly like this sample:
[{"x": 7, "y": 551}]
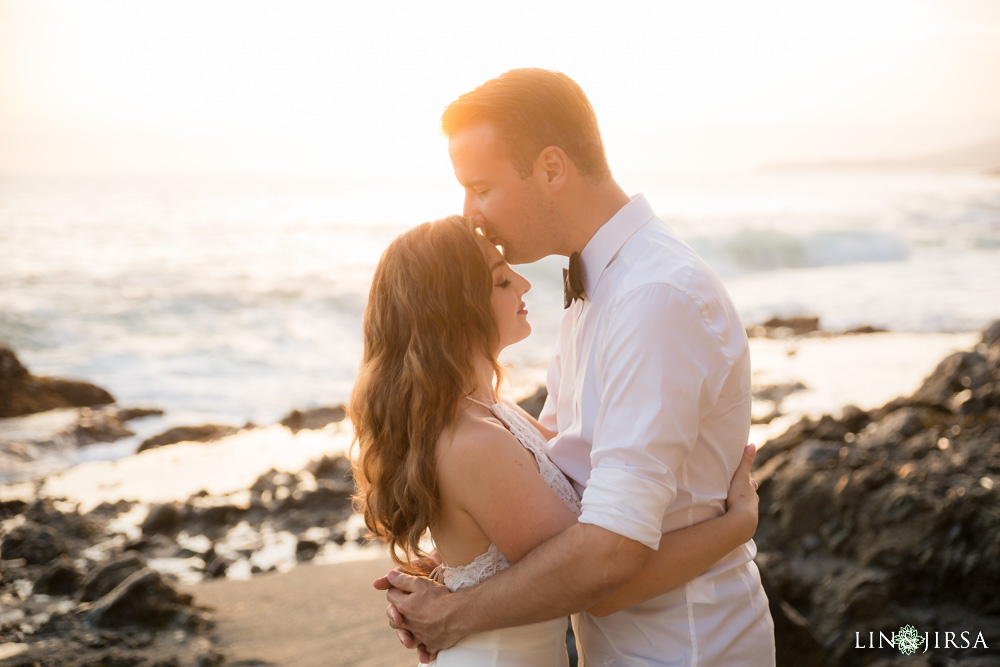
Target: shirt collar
[{"x": 605, "y": 244}]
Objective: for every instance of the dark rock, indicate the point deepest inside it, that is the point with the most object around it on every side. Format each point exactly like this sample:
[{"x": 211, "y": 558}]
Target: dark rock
[
  {"x": 306, "y": 549},
  {"x": 143, "y": 599},
  {"x": 60, "y": 577},
  {"x": 67, "y": 524},
  {"x": 991, "y": 336},
  {"x": 105, "y": 577},
  {"x": 107, "y": 510},
  {"x": 864, "y": 329},
  {"x": 203, "y": 433},
  {"x": 338, "y": 535},
  {"x": 99, "y": 426},
  {"x": 35, "y": 543},
  {"x": 958, "y": 372},
  {"x": 216, "y": 566},
  {"x": 11, "y": 508},
  {"x": 895, "y": 427},
  {"x": 164, "y": 518},
  {"x": 219, "y": 515},
  {"x": 22, "y": 393},
  {"x": 328, "y": 496},
  {"x": 777, "y": 392},
  {"x": 128, "y": 414},
  {"x": 784, "y": 327},
  {"x": 827, "y": 428},
  {"x": 331, "y": 467},
  {"x": 533, "y": 404},
  {"x": 891, "y": 517},
  {"x": 315, "y": 418},
  {"x": 795, "y": 641}
]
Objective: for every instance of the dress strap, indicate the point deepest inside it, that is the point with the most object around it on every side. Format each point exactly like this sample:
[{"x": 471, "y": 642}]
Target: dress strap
[{"x": 485, "y": 405}]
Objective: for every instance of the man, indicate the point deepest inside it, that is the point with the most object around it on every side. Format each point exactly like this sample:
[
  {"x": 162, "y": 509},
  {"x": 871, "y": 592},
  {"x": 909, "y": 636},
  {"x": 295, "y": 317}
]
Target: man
[{"x": 649, "y": 392}]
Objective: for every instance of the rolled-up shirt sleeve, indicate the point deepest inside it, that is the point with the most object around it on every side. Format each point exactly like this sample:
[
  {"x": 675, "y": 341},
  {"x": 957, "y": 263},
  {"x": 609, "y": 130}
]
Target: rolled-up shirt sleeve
[{"x": 660, "y": 366}]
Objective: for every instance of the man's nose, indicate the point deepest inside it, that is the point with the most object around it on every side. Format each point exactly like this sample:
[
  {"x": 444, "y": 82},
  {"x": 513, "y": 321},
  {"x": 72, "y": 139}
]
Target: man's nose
[{"x": 469, "y": 208}]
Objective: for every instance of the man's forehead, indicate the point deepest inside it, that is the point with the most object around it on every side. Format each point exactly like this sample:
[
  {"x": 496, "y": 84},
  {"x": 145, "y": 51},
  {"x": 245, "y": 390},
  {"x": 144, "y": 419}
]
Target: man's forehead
[{"x": 475, "y": 142}]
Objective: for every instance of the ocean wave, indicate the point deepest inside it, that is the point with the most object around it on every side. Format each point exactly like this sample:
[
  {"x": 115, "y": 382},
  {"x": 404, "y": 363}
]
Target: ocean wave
[{"x": 768, "y": 249}]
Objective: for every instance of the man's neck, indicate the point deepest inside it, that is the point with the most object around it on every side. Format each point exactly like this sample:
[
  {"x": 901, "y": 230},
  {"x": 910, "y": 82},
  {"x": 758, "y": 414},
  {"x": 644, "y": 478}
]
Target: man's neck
[{"x": 588, "y": 208}]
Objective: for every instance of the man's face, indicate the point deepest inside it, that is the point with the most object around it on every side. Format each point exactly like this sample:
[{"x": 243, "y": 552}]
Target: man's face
[{"x": 513, "y": 212}]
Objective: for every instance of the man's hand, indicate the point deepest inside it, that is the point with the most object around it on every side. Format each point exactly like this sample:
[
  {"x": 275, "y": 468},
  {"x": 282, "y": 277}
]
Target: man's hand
[{"x": 420, "y": 610}]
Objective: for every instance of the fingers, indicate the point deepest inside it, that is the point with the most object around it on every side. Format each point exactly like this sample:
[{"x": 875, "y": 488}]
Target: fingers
[
  {"x": 424, "y": 656},
  {"x": 406, "y": 639},
  {"x": 749, "y": 454},
  {"x": 407, "y": 582},
  {"x": 395, "y": 618},
  {"x": 746, "y": 463},
  {"x": 385, "y": 583},
  {"x": 396, "y": 596},
  {"x": 404, "y": 636}
]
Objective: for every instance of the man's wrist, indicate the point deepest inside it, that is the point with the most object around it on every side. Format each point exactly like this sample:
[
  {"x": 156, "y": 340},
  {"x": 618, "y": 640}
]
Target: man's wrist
[{"x": 463, "y": 618}]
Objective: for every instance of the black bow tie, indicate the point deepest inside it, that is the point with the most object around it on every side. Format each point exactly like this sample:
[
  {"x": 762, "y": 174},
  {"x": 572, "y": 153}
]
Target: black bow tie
[{"x": 573, "y": 281}]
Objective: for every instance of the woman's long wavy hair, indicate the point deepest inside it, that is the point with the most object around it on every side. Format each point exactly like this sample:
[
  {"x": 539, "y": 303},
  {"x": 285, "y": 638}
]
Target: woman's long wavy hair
[{"x": 428, "y": 319}]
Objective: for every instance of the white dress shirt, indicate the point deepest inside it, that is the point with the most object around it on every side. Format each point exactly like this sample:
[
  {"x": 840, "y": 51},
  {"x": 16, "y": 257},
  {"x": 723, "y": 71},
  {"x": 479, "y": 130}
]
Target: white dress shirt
[{"x": 649, "y": 391}]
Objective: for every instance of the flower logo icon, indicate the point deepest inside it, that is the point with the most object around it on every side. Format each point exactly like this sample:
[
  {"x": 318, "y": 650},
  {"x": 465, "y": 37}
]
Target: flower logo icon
[{"x": 908, "y": 640}]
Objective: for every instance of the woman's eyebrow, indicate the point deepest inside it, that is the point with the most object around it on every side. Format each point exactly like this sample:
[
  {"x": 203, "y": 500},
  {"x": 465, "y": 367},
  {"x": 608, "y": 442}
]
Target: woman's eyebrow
[{"x": 498, "y": 264}]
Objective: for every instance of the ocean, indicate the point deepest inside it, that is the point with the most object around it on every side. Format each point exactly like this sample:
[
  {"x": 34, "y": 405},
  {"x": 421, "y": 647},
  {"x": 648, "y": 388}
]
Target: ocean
[{"x": 230, "y": 301}]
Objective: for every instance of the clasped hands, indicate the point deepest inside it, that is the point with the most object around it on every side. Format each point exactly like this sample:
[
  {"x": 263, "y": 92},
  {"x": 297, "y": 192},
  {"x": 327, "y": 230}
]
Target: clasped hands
[{"x": 418, "y": 611}]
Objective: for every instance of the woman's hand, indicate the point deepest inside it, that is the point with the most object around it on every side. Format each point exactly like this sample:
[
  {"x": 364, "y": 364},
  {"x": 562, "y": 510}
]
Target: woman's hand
[
  {"x": 741, "y": 503},
  {"x": 423, "y": 567}
]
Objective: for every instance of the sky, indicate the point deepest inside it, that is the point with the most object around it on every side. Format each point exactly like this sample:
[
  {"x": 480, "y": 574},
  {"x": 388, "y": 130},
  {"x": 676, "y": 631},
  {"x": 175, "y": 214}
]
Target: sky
[{"x": 355, "y": 89}]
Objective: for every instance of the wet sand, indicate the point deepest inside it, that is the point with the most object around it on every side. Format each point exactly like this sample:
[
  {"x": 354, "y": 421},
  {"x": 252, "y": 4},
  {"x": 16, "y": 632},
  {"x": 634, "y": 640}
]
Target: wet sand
[{"x": 312, "y": 616}]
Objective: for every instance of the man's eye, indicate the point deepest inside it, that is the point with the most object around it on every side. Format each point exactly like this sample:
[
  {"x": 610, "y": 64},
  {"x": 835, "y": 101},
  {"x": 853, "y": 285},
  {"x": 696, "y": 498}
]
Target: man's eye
[{"x": 482, "y": 192}]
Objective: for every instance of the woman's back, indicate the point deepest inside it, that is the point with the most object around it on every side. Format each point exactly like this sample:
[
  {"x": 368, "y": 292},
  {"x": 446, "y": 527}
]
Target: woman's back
[{"x": 479, "y": 496}]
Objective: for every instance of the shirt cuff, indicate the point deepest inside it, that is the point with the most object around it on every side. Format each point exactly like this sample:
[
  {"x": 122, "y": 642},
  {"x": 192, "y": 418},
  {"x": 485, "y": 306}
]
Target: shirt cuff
[{"x": 628, "y": 504}]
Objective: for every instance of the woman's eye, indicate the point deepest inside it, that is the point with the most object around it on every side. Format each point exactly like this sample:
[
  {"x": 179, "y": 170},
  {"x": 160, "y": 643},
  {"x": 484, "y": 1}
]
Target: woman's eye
[{"x": 505, "y": 283}]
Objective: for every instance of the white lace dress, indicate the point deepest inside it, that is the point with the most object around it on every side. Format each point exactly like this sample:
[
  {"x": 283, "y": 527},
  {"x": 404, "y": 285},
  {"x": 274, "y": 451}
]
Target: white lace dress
[{"x": 535, "y": 645}]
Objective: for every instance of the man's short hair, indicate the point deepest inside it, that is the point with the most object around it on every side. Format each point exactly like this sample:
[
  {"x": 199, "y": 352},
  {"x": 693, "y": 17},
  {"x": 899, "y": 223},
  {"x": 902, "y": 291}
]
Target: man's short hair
[{"x": 533, "y": 109}]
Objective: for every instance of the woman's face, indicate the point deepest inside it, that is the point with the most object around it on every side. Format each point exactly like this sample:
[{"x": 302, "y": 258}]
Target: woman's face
[{"x": 508, "y": 288}]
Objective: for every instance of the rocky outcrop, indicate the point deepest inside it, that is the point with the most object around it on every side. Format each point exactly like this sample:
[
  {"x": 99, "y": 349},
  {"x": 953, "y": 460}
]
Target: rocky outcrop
[
  {"x": 34, "y": 445},
  {"x": 72, "y": 592},
  {"x": 877, "y": 520},
  {"x": 202, "y": 433},
  {"x": 805, "y": 325},
  {"x": 313, "y": 419},
  {"x": 22, "y": 393},
  {"x": 114, "y": 611}
]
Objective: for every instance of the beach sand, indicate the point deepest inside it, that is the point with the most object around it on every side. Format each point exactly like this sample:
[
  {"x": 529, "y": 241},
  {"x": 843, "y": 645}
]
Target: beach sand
[{"x": 311, "y": 616}]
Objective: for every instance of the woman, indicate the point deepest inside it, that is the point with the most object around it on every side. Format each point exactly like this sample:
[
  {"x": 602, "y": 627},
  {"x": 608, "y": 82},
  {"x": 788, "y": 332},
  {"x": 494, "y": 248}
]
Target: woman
[{"x": 438, "y": 451}]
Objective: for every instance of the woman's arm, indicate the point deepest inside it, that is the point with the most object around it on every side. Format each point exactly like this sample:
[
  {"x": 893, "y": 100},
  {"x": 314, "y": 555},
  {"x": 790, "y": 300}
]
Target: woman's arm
[{"x": 686, "y": 553}]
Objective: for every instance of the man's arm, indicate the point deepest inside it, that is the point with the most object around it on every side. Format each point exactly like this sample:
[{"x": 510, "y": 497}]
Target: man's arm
[
  {"x": 687, "y": 553},
  {"x": 569, "y": 572},
  {"x": 655, "y": 386},
  {"x": 682, "y": 556}
]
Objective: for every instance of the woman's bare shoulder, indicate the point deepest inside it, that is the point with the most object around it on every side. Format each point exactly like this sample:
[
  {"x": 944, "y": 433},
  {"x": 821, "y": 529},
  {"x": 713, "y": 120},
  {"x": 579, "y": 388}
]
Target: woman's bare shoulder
[{"x": 475, "y": 438}]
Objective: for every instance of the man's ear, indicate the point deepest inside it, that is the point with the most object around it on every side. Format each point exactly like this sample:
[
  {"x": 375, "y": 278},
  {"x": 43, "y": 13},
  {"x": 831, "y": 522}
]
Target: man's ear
[{"x": 552, "y": 165}]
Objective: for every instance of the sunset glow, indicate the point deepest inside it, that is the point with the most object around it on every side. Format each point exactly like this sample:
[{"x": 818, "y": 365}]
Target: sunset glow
[{"x": 356, "y": 90}]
